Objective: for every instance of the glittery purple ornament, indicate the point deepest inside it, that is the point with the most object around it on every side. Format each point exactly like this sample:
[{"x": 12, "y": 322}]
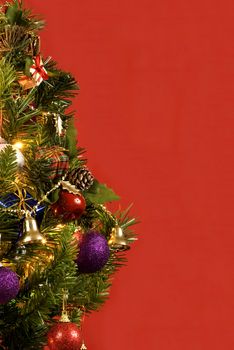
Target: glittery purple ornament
[
  {"x": 94, "y": 252},
  {"x": 9, "y": 285}
]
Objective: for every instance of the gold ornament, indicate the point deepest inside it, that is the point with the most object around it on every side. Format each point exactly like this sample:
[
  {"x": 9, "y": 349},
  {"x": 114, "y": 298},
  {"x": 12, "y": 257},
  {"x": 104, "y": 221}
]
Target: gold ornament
[
  {"x": 64, "y": 316},
  {"x": 83, "y": 346},
  {"x": 118, "y": 240},
  {"x": 31, "y": 231}
]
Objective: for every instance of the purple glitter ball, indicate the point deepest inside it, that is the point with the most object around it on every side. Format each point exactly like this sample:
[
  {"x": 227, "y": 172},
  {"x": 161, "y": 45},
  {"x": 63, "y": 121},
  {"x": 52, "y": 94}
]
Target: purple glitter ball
[
  {"x": 9, "y": 285},
  {"x": 94, "y": 252}
]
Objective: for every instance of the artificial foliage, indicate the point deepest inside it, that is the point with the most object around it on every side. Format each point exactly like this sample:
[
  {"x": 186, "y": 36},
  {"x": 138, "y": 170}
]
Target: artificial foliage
[{"x": 51, "y": 206}]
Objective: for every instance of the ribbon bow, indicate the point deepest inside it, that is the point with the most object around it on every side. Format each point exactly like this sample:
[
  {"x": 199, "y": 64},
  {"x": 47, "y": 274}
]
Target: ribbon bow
[{"x": 38, "y": 70}]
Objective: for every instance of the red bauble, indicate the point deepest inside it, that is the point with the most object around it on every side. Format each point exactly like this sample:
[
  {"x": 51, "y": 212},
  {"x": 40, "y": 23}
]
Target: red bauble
[
  {"x": 73, "y": 205},
  {"x": 64, "y": 336},
  {"x": 56, "y": 209},
  {"x": 69, "y": 206}
]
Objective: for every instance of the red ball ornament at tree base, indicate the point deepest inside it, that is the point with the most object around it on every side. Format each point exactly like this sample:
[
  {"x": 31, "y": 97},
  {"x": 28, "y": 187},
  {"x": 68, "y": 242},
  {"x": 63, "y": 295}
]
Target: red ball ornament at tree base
[{"x": 64, "y": 336}]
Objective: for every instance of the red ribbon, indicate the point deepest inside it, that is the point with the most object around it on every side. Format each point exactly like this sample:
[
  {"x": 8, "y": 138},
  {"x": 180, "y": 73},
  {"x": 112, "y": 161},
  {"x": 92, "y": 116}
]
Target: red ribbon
[{"x": 39, "y": 68}]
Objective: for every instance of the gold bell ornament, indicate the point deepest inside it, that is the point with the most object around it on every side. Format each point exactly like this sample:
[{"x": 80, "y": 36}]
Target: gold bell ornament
[
  {"x": 118, "y": 240},
  {"x": 31, "y": 231}
]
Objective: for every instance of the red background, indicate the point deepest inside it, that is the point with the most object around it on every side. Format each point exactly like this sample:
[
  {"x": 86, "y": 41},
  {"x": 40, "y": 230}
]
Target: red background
[{"x": 156, "y": 115}]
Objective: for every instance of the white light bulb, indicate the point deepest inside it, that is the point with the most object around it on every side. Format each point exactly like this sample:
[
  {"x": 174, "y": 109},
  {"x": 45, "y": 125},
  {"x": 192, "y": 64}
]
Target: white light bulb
[{"x": 19, "y": 155}]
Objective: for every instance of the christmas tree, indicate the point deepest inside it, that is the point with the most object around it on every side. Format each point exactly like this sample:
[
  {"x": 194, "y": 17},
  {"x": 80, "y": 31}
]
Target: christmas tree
[{"x": 59, "y": 244}]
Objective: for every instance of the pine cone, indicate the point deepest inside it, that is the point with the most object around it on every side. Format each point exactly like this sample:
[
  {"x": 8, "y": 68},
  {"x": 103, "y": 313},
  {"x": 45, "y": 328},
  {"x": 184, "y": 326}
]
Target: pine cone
[{"x": 81, "y": 178}]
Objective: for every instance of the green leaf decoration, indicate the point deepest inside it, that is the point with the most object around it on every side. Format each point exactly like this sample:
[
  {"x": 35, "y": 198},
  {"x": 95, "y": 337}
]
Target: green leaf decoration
[{"x": 100, "y": 193}]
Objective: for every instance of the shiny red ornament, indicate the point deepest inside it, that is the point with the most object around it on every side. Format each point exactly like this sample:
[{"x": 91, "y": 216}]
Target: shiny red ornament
[
  {"x": 56, "y": 209},
  {"x": 69, "y": 206},
  {"x": 64, "y": 336},
  {"x": 73, "y": 205}
]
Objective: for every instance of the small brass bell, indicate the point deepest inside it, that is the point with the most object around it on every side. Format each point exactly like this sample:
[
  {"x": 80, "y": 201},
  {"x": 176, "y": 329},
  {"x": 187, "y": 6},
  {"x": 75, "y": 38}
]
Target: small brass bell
[
  {"x": 31, "y": 231},
  {"x": 118, "y": 240}
]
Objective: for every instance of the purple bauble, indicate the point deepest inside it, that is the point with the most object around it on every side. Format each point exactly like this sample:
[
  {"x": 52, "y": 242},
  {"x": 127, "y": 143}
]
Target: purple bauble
[
  {"x": 94, "y": 252},
  {"x": 9, "y": 285}
]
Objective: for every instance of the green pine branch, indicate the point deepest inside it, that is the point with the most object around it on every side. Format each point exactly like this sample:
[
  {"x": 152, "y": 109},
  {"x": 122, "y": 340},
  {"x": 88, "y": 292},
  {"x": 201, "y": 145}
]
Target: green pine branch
[{"x": 8, "y": 170}]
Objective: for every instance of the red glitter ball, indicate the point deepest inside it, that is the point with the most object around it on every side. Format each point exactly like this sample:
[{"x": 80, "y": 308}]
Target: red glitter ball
[
  {"x": 64, "y": 336},
  {"x": 73, "y": 205}
]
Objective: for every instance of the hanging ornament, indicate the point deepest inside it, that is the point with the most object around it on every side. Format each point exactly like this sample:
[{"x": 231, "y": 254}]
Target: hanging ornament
[
  {"x": 38, "y": 71},
  {"x": 64, "y": 335},
  {"x": 9, "y": 285},
  {"x": 19, "y": 155},
  {"x": 71, "y": 204},
  {"x": 31, "y": 232},
  {"x": 93, "y": 253},
  {"x": 81, "y": 178},
  {"x": 83, "y": 346},
  {"x": 57, "y": 159},
  {"x": 56, "y": 209},
  {"x": 118, "y": 241}
]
